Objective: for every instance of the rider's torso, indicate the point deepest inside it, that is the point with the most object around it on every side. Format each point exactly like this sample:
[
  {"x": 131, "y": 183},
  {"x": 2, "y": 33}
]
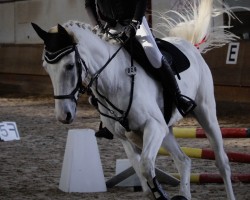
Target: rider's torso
[{"x": 116, "y": 10}]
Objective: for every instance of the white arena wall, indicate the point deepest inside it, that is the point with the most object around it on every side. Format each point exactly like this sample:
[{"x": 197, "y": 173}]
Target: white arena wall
[
  {"x": 15, "y": 16},
  {"x": 21, "y": 69}
]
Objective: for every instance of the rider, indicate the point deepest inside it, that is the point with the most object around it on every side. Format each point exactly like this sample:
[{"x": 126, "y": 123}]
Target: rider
[{"x": 130, "y": 15}]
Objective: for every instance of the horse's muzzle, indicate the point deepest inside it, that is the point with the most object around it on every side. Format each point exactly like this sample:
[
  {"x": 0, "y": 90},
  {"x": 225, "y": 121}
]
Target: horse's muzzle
[
  {"x": 65, "y": 111},
  {"x": 68, "y": 119}
]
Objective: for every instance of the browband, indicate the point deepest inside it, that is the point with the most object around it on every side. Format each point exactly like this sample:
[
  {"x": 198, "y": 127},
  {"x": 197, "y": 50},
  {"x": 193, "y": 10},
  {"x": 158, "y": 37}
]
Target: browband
[{"x": 54, "y": 57}]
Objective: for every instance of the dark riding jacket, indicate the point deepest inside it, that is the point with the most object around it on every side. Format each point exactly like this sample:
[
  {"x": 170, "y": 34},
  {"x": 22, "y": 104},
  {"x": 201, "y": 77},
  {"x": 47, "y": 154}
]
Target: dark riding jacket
[{"x": 122, "y": 11}]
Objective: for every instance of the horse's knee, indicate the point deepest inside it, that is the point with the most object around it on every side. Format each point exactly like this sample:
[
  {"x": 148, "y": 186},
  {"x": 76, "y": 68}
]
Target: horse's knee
[
  {"x": 182, "y": 162},
  {"x": 186, "y": 164},
  {"x": 187, "y": 161}
]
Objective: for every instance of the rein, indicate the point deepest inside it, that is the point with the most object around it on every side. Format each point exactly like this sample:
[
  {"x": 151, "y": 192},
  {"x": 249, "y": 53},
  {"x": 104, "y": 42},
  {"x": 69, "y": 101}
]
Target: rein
[
  {"x": 123, "y": 118},
  {"x": 97, "y": 74}
]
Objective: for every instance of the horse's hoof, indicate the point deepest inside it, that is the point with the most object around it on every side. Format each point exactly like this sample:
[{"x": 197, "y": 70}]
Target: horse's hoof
[{"x": 179, "y": 197}]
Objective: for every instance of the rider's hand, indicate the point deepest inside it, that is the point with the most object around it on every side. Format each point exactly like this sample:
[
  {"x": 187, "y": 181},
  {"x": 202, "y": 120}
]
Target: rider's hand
[
  {"x": 130, "y": 30},
  {"x": 99, "y": 28},
  {"x": 96, "y": 28}
]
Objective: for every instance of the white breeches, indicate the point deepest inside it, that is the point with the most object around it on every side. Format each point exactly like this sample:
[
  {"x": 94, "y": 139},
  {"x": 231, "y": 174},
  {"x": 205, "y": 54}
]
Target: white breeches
[{"x": 145, "y": 37}]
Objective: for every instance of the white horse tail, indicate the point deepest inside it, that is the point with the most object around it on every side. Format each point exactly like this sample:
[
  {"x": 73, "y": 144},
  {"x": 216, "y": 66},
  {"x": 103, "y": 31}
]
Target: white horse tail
[{"x": 195, "y": 24}]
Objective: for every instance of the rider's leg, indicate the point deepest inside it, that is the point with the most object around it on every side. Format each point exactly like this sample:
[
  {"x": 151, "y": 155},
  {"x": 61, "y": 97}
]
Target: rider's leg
[
  {"x": 166, "y": 75},
  {"x": 183, "y": 103}
]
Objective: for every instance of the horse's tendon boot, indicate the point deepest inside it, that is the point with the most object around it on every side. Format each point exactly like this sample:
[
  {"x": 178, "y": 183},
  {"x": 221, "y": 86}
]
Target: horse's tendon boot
[
  {"x": 179, "y": 197},
  {"x": 104, "y": 133},
  {"x": 158, "y": 192}
]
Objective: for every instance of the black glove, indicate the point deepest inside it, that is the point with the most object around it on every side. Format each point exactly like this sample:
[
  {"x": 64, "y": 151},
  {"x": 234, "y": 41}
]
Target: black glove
[{"x": 130, "y": 30}]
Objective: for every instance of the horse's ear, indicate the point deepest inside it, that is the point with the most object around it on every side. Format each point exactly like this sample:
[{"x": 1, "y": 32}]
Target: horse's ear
[
  {"x": 41, "y": 33},
  {"x": 61, "y": 29}
]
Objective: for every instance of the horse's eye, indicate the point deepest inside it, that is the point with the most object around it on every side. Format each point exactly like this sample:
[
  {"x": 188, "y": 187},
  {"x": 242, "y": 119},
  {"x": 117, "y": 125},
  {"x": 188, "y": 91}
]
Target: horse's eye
[{"x": 69, "y": 66}]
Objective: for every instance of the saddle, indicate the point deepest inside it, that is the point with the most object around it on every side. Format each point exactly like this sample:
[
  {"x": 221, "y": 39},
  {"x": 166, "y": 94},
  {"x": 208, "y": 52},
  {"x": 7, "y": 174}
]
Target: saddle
[{"x": 176, "y": 59}]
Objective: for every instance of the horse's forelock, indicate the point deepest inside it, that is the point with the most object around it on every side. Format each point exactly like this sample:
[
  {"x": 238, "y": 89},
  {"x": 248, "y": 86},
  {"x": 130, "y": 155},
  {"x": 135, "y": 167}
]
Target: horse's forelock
[{"x": 53, "y": 29}]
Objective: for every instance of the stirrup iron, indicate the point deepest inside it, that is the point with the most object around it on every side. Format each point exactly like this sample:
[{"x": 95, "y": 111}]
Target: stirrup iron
[{"x": 187, "y": 100}]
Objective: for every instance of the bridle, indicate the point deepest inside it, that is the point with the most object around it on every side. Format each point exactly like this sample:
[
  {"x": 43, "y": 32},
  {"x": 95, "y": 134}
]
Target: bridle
[{"x": 54, "y": 57}]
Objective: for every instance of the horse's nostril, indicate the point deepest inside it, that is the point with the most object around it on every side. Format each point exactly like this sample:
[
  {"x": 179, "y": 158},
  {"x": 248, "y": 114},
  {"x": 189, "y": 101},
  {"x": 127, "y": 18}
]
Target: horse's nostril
[{"x": 68, "y": 118}]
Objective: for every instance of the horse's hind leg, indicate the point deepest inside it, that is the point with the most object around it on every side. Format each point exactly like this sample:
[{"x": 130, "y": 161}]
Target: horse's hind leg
[
  {"x": 182, "y": 162},
  {"x": 206, "y": 116}
]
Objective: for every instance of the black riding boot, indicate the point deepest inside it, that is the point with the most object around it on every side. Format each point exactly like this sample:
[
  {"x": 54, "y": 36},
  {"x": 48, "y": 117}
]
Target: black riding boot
[{"x": 183, "y": 103}]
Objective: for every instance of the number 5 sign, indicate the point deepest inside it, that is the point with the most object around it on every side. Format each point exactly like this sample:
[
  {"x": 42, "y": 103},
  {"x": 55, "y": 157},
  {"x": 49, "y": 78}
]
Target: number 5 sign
[{"x": 8, "y": 131}]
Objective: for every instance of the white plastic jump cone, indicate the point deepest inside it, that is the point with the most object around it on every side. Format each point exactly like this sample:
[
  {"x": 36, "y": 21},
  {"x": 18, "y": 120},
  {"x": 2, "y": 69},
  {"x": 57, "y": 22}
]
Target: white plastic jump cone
[{"x": 82, "y": 169}]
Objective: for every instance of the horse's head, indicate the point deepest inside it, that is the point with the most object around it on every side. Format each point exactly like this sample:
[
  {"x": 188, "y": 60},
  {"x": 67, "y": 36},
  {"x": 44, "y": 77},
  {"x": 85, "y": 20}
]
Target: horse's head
[{"x": 64, "y": 66}]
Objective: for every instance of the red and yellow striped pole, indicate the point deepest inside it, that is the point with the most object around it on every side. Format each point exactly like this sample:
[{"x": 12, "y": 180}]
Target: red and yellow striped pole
[
  {"x": 200, "y": 133},
  {"x": 209, "y": 154},
  {"x": 214, "y": 178}
]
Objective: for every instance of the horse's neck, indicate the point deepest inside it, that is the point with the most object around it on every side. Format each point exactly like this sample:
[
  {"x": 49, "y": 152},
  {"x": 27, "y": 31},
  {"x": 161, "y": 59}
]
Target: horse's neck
[
  {"x": 96, "y": 53},
  {"x": 113, "y": 77}
]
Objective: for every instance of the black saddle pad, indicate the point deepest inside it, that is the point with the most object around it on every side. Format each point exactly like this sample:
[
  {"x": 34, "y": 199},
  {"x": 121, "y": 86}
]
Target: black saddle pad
[{"x": 177, "y": 60}]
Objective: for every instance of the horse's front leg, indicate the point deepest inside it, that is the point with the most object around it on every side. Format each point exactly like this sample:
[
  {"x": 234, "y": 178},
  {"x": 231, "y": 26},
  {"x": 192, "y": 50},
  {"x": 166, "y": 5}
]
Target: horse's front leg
[
  {"x": 182, "y": 162},
  {"x": 154, "y": 132},
  {"x": 134, "y": 155}
]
